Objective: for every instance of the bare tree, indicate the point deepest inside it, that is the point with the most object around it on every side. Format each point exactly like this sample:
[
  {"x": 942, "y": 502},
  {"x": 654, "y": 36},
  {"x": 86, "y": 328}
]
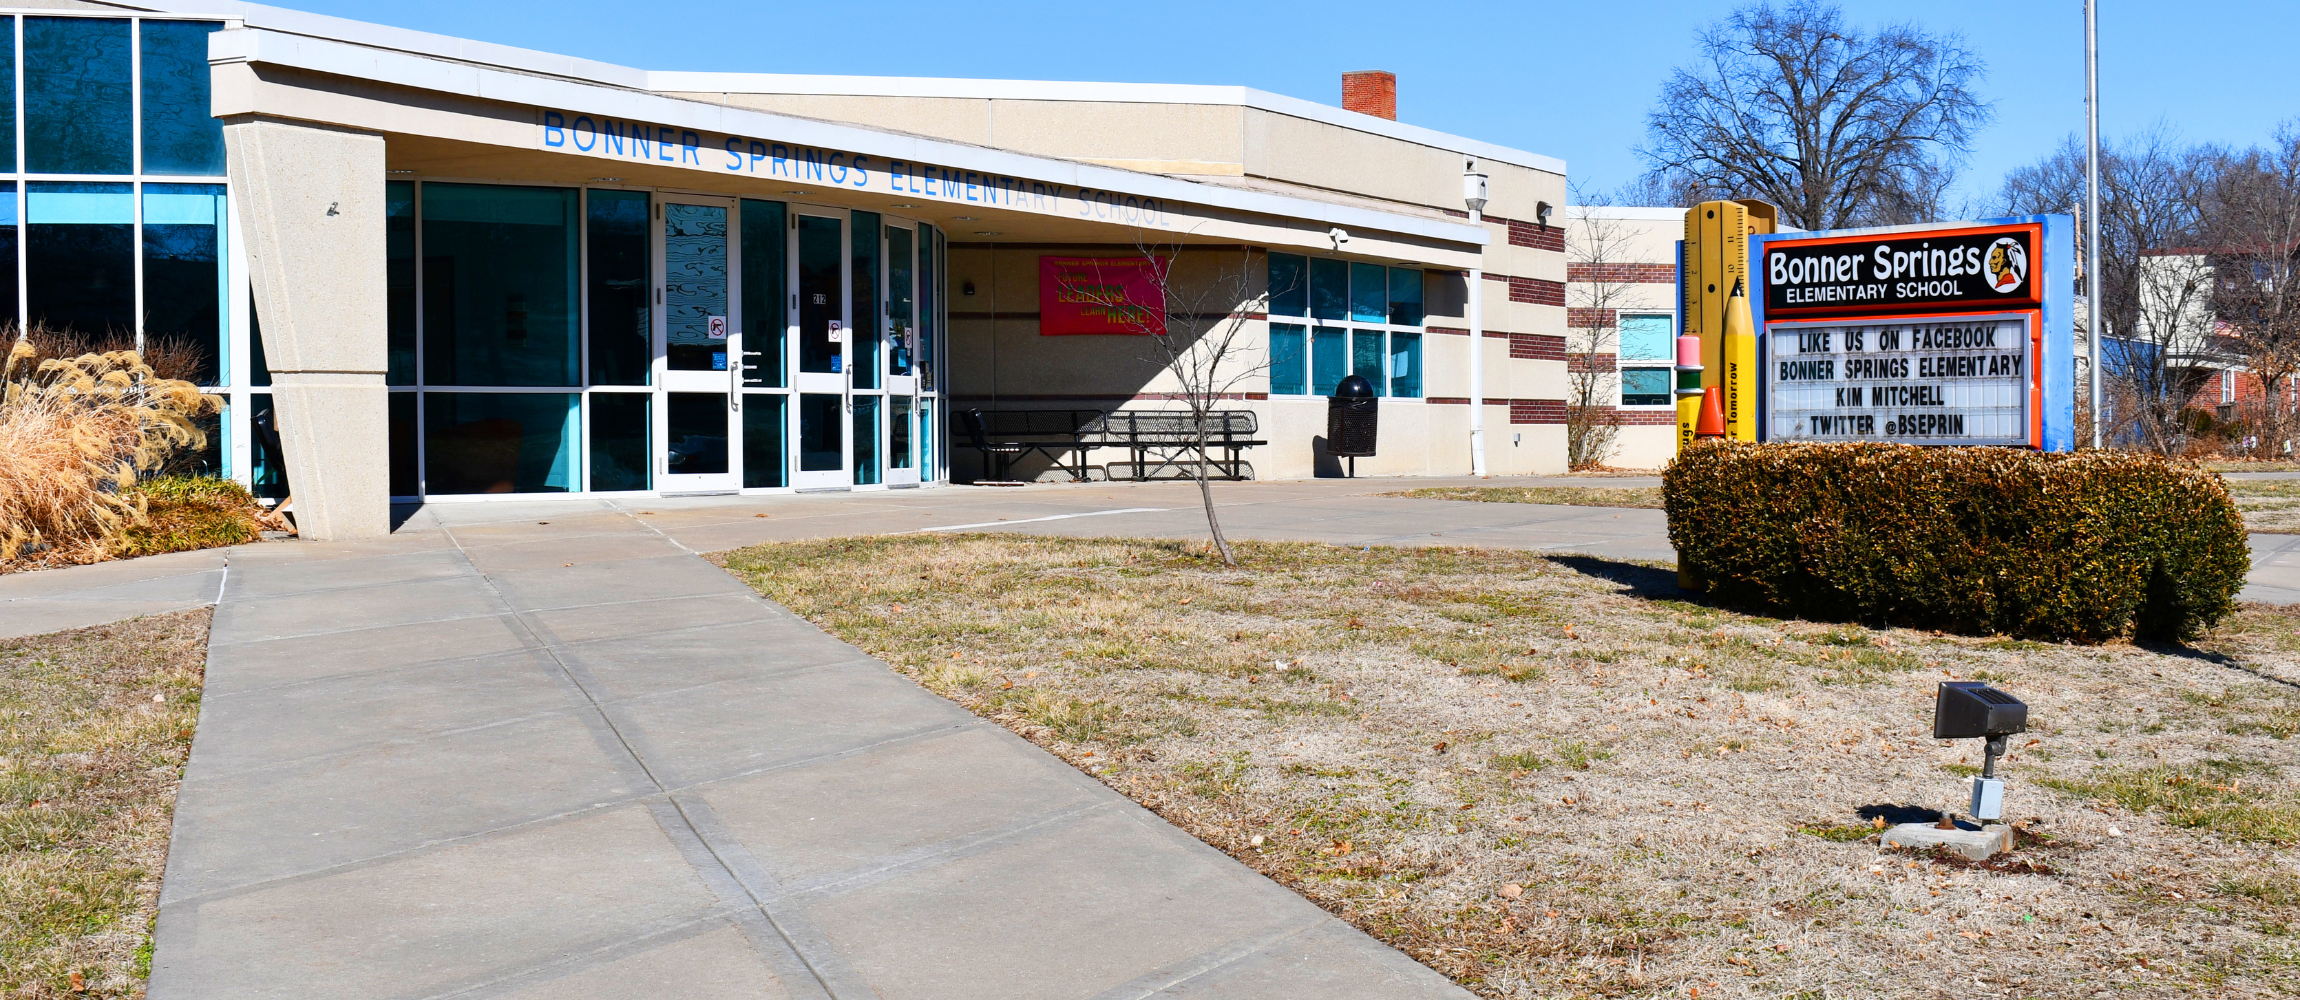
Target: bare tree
[
  {"x": 1201, "y": 342},
  {"x": 2254, "y": 226},
  {"x": 1596, "y": 252},
  {"x": 2156, "y": 280},
  {"x": 1835, "y": 126}
]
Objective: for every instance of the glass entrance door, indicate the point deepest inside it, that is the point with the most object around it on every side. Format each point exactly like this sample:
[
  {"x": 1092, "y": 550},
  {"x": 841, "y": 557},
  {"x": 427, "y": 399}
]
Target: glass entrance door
[
  {"x": 900, "y": 329},
  {"x": 821, "y": 324},
  {"x": 699, "y": 346}
]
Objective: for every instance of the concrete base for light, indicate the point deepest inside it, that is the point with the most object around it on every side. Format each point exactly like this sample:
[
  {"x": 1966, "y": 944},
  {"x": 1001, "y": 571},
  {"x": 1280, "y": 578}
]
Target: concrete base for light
[{"x": 1976, "y": 845}]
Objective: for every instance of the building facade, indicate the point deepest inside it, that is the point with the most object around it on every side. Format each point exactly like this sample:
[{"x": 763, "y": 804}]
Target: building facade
[
  {"x": 424, "y": 268},
  {"x": 1621, "y": 331}
]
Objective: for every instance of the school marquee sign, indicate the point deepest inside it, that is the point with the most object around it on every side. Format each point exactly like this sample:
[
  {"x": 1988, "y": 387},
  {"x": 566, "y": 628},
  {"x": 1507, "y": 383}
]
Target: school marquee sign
[{"x": 1939, "y": 335}]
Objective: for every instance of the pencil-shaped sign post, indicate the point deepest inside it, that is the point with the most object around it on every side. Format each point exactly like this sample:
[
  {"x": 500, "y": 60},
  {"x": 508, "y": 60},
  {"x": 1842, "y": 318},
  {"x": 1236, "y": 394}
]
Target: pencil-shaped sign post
[{"x": 1740, "y": 368}]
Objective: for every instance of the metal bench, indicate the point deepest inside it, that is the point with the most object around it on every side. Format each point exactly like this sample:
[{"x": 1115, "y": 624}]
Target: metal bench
[
  {"x": 1166, "y": 442},
  {"x": 1006, "y": 436}
]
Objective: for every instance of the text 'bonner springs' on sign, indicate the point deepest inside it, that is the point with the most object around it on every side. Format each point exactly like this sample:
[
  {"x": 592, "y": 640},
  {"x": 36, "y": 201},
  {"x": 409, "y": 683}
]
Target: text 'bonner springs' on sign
[
  {"x": 1978, "y": 268},
  {"x": 1945, "y": 380}
]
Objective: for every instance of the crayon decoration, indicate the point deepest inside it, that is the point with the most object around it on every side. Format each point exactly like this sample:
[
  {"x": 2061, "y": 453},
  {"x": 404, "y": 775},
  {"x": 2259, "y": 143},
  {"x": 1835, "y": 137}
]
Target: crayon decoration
[
  {"x": 1712, "y": 423},
  {"x": 1688, "y": 388}
]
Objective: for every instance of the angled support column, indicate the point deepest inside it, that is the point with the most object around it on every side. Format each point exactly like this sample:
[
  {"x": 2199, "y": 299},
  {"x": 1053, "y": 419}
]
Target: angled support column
[{"x": 311, "y": 203}]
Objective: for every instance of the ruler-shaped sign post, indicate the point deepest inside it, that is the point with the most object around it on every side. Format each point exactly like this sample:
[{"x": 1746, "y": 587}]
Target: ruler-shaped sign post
[{"x": 1957, "y": 334}]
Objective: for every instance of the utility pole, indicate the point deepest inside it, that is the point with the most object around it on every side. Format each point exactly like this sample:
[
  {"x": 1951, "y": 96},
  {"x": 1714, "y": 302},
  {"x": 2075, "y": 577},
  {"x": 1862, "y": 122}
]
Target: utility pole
[{"x": 2094, "y": 315}]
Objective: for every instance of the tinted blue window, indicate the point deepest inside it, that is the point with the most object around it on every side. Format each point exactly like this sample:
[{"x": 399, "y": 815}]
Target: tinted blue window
[
  {"x": 1329, "y": 288},
  {"x": 1406, "y": 365},
  {"x": 1289, "y": 285},
  {"x": 180, "y": 136},
  {"x": 399, "y": 283},
  {"x": 1289, "y": 357},
  {"x": 1369, "y": 293},
  {"x": 184, "y": 288},
  {"x": 80, "y": 258},
  {"x": 8, "y": 90},
  {"x": 8, "y": 249},
  {"x": 500, "y": 442},
  {"x": 1329, "y": 359},
  {"x": 1645, "y": 387},
  {"x": 499, "y": 289},
  {"x": 76, "y": 96},
  {"x": 1366, "y": 359},
  {"x": 1405, "y": 296},
  {"x": 1646, "y": 338}
]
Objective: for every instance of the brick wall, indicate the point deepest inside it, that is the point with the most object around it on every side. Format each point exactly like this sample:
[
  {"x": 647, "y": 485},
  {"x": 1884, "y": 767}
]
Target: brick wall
[
  {"x": 1537, "y": 411},
  {"x": 1536, "y": 347},
  {"x": 1590, "y": 362},
  {"x": 1627, "y": 274},
  {"x": 1584, "y": 318},
  {"x": 1535, "y": 291},
  {"x": 1539, "y": 237}
]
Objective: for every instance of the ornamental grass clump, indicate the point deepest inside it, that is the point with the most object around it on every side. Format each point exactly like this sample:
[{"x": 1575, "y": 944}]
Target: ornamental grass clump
[
  {"x": 2087, "y": 547},
  {"x": 75, "y": 435}
]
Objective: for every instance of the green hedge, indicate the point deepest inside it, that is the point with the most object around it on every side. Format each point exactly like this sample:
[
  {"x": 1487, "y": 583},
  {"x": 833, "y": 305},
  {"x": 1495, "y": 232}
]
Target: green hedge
[{"x": 2087, "y": 547}]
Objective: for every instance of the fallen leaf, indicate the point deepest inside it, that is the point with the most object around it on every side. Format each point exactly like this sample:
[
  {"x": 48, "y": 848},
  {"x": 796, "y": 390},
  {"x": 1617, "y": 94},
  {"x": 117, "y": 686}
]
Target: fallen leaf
[
  {"x": 78, "y": 985},
  {"x": 1185, "y": 600},
  {"x": 1440, "y": 747},
  {"x": 758, "y": 515},
  {"x": 1512, "y": 891},
  {"x": 1026, "y": 675},
  {"x": 1549, "y": 913},
  {"x": 1879, "y": 822}
]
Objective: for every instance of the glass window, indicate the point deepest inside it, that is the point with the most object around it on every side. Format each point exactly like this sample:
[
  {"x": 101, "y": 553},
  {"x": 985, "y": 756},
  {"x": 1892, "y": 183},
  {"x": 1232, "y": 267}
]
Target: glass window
[
  {"x": 8, "y": 290},
  {"x": 866, "y": 439},
  {"x": 764, "y": 316},
  {"x": 1645, "y": 387},
  {"x": 8, "y": 97},
  {"x": 80, "y": 257},
  {"x": 928, "y": 276},
  {"x": 1329, "y": 359},
  {"x": 901, "y": 329},
  {"x": 259, "y": 368},
  {"x": 1406, "y": 365},
  {"x": 622, "y": 289},
  {"x": 819, "y": 298},
  {"x": 399, "y": 282},
  {"x": 1369, "y": 293},
  {"x": 180, "y": 136},
  {"x": 926, "y": 438},
  {"x": 1646, "y": 338},
  {"x": 1289, "y": 359},
  {"x": 865, "y": 332},
  {"x": 76, "y": 96},
  {"x": 499, "y": 294},
  {"x": 898, "y": 431},
  {"x": 695, "y": 287},
  {"x": 763, "y": 431},
  {"x": 184, "y": 288},
  {"x": 499, "y": 442},
  {"x": 1405, "y": 296},
  {"x": 267, "y": 459},
  {"x": 1329, "y": 288},
  {"x": 1366, "y": 350},
  {"x": 404, "y": 482},
  {"x": 697, "y": 425},
  {"x": 1289, "y": 285},
  {"x": 820, "y": 449},
  {"x": 619, "y": 441}
]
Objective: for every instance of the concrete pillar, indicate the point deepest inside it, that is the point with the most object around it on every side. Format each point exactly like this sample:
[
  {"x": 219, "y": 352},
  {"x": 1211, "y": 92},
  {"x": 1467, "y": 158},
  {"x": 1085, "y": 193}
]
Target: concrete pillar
[{"x": 311, "y": 208}]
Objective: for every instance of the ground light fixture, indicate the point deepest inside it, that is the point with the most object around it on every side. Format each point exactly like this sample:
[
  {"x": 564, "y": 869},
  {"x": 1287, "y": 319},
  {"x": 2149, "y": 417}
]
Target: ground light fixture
[{"x": 1972, "y": 710}]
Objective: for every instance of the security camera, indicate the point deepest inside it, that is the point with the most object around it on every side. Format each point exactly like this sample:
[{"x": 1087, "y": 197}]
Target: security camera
[
  {"x": 1541, "y": 213},
  {"x": 1340, "y": 236}
]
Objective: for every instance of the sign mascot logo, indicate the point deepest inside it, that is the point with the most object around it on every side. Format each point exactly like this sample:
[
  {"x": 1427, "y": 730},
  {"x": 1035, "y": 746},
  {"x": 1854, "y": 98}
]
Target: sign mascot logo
[{"x": 2007, "y": 264}]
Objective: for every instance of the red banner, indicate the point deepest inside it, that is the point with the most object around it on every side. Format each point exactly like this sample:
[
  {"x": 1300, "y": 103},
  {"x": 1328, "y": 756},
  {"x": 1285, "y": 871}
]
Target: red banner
[{"x": 1100, "y": 295}]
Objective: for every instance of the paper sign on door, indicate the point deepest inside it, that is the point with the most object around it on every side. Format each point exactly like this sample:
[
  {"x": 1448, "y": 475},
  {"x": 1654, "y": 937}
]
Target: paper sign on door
[
  {"x": 838, "y": 333},
  {"x": 718, "y": 327}
]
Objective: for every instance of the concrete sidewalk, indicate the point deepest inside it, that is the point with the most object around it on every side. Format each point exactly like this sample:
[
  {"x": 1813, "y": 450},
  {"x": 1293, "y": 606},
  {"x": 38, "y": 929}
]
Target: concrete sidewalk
[{"x": 544, "y": 750}]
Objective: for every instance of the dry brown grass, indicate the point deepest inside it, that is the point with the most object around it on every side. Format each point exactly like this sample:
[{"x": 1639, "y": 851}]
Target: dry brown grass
[
  {"x": 2268, "y": 504},
  {"x": 75, "y": 433},
  {"x": 1544, "y": 781},
  {"x": 94, "y": 728}
]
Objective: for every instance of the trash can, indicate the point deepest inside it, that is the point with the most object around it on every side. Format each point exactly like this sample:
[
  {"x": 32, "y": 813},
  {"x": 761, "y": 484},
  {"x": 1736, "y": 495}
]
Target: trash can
[{"x": 1353, "y": 415}]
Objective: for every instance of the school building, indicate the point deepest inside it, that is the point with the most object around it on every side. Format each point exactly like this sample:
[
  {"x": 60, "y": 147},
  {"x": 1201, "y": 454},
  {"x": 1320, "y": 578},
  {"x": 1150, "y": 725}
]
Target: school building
[{"x": 424, "y": 268}]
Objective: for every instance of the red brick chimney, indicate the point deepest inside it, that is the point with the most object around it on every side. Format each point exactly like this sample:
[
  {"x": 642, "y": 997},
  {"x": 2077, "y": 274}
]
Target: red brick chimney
[{"x": 1371, "y": 92}]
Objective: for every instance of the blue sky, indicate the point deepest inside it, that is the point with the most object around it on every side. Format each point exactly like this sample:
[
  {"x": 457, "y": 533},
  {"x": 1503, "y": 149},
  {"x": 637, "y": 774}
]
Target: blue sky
[{"x": 1572, "y": 80}]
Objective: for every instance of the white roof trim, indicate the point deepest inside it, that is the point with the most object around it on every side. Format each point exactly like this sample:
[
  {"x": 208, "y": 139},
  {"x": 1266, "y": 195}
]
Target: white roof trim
[
  {"x": 1638, "y": 214},
  {"x": 1115, "y": 93},
  {"x": 532, "y": 61},
  {"x": 403, "y": 69}
]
